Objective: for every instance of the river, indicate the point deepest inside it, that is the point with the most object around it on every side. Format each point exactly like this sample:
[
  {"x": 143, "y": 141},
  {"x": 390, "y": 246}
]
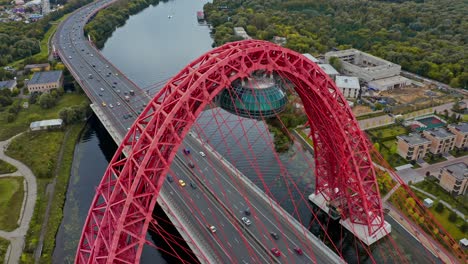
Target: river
[{"x": 150, "y": 48}]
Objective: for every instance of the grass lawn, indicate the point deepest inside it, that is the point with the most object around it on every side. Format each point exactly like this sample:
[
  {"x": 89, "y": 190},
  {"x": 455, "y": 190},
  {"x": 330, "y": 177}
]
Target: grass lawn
[
  {"x": 35, "y": 113},
  {"x": 442, "y": 218},
  {"x": 387, "y": 131},
  {"x": 11, "y": 200},
  {"x": 435, "y": 160},
  {"x": 394, "y": 160},
  {"x": 306, "y": 138},
  {"x": 370, "y": 115},
  {"x": 458, "y": 153},
  {"x": 56, "y": 212},
  {"x": 38, "y": 150},
  {"x": 3, "y": 249},
  {"x": 6, "y": 167},
  {"x": 460, "y": 203}
]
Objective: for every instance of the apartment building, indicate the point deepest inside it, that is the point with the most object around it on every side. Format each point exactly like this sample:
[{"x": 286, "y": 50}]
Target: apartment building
[
  {"x": 454, "y": 178},
  {"x": 461, "y": 134},
  {"x": 442, "y": 141},
  {"x": 413, "y": 146}
]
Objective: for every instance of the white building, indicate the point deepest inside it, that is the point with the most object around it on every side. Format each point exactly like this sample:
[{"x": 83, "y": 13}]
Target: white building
[
  {"x": 240, "y": 32},
  {"x": 348, "y": 85},
  {"x": 380, "y": 74},
  {"x": 329, "y": 70},
  {"x": 46, "y": 124},
  {"x": 311, "y": 58}
]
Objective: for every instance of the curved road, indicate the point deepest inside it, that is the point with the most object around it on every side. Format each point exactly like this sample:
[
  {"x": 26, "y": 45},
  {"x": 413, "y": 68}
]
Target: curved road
[{"x": 17, "y": 236}]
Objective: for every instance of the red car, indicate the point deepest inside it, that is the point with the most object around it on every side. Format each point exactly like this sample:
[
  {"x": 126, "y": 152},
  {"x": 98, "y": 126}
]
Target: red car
[
  {"x": 276, "y": 252},
  {"x": 298, "y": 250}
]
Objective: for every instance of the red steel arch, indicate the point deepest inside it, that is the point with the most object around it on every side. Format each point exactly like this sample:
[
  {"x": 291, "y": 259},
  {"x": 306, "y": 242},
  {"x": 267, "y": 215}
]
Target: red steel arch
[{"x": 120, "y": 213}]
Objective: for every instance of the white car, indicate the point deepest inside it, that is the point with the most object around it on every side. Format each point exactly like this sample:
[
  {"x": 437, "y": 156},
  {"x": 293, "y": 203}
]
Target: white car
[
  {"x": 118, "y": 103},
  {"x": 102, "y": 89},
  {"x": 246, "y": 221},
  {"x": 202, "y": 154},
  {"x": 111, "y": 106}
]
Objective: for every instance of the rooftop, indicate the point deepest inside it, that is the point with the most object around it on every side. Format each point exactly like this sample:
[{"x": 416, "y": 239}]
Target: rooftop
[
  {"x": 7, "y": 84},
  {"x": 389, "y": 81},
  {"x": 310, "y": 57},
  {"x": 45, "y": 77},
  {"x": 42, "y": 65},
  {"x": 347, "y": 82},
  {"x": 414, "y": 139},
  {"x": 457, "y": 170},
  {"x": 45, "y": 123},
  {"x": 462, "y": 127},
  {"x": 440, "y": 133},
  {"x": 328, "y": 69}
]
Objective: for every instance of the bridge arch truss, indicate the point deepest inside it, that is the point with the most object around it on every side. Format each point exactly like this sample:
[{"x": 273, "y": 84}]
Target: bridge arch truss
[{"x": 121, "y": 211}]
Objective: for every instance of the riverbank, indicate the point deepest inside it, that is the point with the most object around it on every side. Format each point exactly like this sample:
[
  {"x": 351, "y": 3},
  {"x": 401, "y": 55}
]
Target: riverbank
[
  {"x": 101, "y": 27},
  {"x": 32, "y": 143}
]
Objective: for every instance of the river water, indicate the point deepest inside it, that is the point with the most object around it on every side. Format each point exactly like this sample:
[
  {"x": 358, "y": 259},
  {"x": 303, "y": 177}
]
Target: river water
[{"x": 150, "y": 48}]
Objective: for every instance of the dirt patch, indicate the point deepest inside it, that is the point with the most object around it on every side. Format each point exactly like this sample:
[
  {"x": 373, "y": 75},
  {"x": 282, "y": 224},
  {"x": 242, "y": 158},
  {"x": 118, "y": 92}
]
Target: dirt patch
[
  {"x": 361, "y": 109},
  {"x": 415, "y": 95}
]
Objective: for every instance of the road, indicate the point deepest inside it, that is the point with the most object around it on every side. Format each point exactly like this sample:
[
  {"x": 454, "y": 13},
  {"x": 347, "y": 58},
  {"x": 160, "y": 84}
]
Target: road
[
  {"x": 107, "y": 88},
  {"x": 16, "y": 237}
]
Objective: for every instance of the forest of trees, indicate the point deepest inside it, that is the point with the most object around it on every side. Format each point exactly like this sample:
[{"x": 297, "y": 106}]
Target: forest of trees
[
  {"x": 19, "y": 40},
  {"x": 425, "y": 37}
]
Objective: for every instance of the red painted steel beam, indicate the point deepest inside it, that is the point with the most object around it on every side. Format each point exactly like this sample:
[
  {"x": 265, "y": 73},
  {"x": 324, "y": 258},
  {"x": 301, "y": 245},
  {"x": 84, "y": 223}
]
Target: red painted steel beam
[{"x": 121, "y": 211}]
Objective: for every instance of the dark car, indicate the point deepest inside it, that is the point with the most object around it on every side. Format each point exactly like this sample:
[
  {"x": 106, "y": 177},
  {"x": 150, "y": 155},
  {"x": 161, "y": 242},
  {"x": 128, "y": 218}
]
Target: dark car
[
  {"x": 169, "y": 178},
  {"x": 298, "y": 250},
  {"x": 193, "y": 185},
  {"x": 247, "y": 211},
  {"x": 191, "y": 165},
  {"x": 186, "y": 151},
  {"x": 276, "y": 252},
  {"x": 274, "y": 235}
]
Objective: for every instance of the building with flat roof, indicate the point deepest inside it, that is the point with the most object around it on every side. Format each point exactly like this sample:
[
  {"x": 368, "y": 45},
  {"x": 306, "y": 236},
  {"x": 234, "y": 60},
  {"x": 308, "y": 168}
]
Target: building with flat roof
[
  {"x": 37, "y": 67},
  {"x": 240, "y": 32},
  {"x": 45, "y": 81},
  {"x": 442, "y": 141},
  {"x": 9, "y": 84},
  {"x": 413, "y": 146},
  {"x": 389, "y": 83},
  {"x": 461, "y": 134},
  {"x": 348, "y": 85},
  {"x": 380, "y": 74},
  {"x": 311, "y": 58},
  {"x": 329, "y": 70},
  {"x": 454, "y": 178},
  {"x": 46, "y": 124}
]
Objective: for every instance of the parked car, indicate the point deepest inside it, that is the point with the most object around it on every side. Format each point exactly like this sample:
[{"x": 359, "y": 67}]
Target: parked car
[{"x": 186, "y": 151}]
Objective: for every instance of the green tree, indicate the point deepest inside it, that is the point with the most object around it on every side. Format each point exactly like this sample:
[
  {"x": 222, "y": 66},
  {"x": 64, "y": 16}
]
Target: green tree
[
  {"x": 46, "y": 101},
  {"x": 439, "y": 207},
  {"x": 452, "y": 217}
]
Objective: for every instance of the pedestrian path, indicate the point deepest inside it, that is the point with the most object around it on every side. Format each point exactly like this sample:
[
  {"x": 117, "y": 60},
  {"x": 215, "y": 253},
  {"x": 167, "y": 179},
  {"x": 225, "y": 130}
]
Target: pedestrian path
[
  {"x": 17, "y": 236},
  {"x": 441, "y": 201}
]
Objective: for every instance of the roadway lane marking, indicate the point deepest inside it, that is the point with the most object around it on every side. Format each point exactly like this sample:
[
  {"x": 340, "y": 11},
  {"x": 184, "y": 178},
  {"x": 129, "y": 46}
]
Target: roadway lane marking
[
  {"x": 229, "y": 244},
  {"x": 235, "y": 206},
  {"x": 237, "y": 240},
  {"x": 260, "y": 200}
]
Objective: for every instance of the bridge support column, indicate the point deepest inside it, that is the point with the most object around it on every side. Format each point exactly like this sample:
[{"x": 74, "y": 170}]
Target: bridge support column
[{"x": 358, "y": 230}]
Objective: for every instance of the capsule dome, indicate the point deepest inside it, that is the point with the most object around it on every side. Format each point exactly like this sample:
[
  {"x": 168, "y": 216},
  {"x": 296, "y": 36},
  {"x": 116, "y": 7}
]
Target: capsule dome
[{"x": 257, "y": 98}]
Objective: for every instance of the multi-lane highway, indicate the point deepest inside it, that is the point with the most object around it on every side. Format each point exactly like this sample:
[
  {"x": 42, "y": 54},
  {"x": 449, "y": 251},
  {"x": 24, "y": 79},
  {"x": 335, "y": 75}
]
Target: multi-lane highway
[{"x": 217, "y": 196}]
